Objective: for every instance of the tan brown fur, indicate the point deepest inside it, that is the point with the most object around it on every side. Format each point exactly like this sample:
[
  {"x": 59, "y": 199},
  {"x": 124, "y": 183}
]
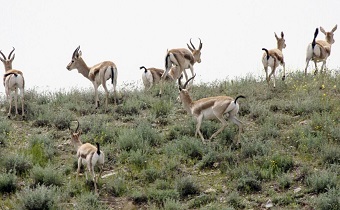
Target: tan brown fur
[
  {"x": 322, "y": 49},
  {"x": 274, "y": 59},
  {"x": 85, "y": 155},
  {"x": 12, "y": 83},
  {"x": 97, "y": 74},
  {"x": 210, "y": 108},
  {"x": 183, "y": 59}
]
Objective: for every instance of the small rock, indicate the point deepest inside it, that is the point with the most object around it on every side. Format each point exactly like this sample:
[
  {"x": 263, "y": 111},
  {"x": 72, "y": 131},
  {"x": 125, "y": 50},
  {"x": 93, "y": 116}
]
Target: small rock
[
  {"x": 298, "y": 189},
  {"x": 210, "y": 190},
  {"x": 269, "y": 204}
]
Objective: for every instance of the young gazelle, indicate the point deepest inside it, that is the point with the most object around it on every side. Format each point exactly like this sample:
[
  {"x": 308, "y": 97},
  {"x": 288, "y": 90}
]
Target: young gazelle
[
  {"x": 183, "y": 59},
  {"x": 97, "y": 74},
  {"x": 88, "y": 155},
  {"x": 13, "y": 80},
  {"x": 320, "y": 50},
  {"x": 211, "y": 108},
  {"x": 152, "y": 76},
  {"x": 273, "y": 58}
]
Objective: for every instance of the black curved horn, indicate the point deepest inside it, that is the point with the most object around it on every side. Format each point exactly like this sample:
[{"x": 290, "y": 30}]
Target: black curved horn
[
  {"x": 192, "y": 45},
  {"x": 186, "y": 83},
  {"x": 77, "y": 127},
  {"x": 9, "y": 56},
  {"x": 4, "y": 57},
  {"x": 201, "y": 44}
]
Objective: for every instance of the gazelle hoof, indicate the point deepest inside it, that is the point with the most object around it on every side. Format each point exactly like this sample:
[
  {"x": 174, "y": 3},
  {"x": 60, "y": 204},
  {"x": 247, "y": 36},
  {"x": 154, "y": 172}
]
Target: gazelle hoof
[{"x": 283, "y": 78}]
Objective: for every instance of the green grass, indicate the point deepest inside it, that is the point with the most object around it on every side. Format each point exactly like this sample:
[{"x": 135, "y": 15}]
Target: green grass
[{"x": 291, "y": 139}]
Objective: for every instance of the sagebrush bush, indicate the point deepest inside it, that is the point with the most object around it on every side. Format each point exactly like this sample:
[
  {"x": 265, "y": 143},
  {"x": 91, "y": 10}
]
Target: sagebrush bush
[
  {"x": 46, "y": 176},
  {"x": 5, "y": 129},
  {"x": 89, "y": 201},
  {"x": 193, "y": 148},
  {"x": 8, "y": 183},
  {"x": 17, "y": 163},
  {"x": 39, "y": 198},
  {"x": 234, "y": 199},
  {"x": 129, "y": 140},
  {"x": 172, "y": 204},
  {"x": 251, "y": 148},
  {"x": 202, "y": 200},
  {"x": 62, "y": 119},
  {"x": 41, "y": 149},
  {"x": 138, "y": 158},
  {"x": 320, "y": 182},
  {"x": 331, "y": 154},
  {"x": 147, "y": 134},
  {"x": 160, "y": 196},
  {"x": 187, "y": 186},
  {"x": 285, "y": 181},
  {"x": 209, "y": 160},
  {"x": 161, "y": 108},
  {"x": 117, "y": 187},
  {"x": 249, "y": 184},
  {"x": 329, "y": 200},
  {"x": 151, "y": 174}
]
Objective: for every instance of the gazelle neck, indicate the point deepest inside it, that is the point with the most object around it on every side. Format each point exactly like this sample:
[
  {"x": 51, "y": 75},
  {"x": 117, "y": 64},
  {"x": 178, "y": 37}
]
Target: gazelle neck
[{"x": 83, "y": 68}]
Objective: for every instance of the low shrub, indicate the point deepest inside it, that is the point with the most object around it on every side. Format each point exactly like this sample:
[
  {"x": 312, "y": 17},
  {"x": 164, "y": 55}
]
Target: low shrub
[
  {"x": 17, "y": 163},
  {"x": 187, "y": 186},
  {"x": 46, "y": 176},
  {"x": 329, "y": 200},
  {"x": 8, "y": 183},
  {"x": 117, "y": 187},
  {"x": 39, "y": 198},
  {"x": 248, "y": 184},
  {"x": 234, "y": 199},
  {"x": 320, "y": 182},
  {"x": 89, "y": 201}
]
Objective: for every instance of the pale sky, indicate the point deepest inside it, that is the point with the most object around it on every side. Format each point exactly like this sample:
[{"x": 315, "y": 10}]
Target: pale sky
[{"x": 132, "y": 33}]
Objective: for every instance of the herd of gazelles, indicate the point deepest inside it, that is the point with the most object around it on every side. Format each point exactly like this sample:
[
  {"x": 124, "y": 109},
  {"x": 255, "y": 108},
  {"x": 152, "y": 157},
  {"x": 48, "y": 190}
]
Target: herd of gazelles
[{"x": 176, "y": 62}]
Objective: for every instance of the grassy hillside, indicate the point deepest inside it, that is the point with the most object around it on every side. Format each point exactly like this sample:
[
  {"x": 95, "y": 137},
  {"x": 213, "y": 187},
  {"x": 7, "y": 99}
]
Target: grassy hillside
[{"x": 289, "y": 155}]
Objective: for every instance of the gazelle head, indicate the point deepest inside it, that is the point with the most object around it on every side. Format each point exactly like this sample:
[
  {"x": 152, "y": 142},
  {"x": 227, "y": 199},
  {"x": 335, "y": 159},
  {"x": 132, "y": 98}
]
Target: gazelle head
[
  {"x": 75, "y": 57},
  {"x": 329, "y": 35},
  {"x": 196, "y": 53},
  {"x": 7, "y": 61},
  {"x": 183, "y": 88},
  {"x": 75, "y": 136},
  {"x": 281, "y": 42}
]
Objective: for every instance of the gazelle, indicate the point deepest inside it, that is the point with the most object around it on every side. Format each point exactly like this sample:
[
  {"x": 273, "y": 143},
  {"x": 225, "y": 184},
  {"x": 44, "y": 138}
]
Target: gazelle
[
  {"x": 97, "y": 74},
  {"x": 13, "y": 80},
  {"x": 152, "y": 76},
  {"x": 88, "y": 155},
  {"x": 183, "y": 59},
  {"x": 273, "y": 58},
  {"x": 210, "y": 108},
  {"x": 320, "y": 50}
]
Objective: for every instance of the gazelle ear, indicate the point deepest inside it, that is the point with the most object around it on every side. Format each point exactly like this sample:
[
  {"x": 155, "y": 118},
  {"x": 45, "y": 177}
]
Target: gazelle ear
[
  {"x": 79, "y": 54},
  {"x": 322, "y": 30},
  {"x": 335, "y": 27},
  {"x": 276, "y": 36},
  {"x": 282, "y": 35}
]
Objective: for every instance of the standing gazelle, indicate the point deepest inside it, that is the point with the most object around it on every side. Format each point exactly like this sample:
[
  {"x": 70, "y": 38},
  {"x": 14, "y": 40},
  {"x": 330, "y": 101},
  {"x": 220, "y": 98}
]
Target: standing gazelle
[
  {"x": 210, "y": 108},
  {"x": 320, "y": 50},
  {"x": 182, "y": 58},
  {"x": 274, "y": 57},
  {"x": 13, "y": 80},
  {"x": 97, "y": 74}
]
